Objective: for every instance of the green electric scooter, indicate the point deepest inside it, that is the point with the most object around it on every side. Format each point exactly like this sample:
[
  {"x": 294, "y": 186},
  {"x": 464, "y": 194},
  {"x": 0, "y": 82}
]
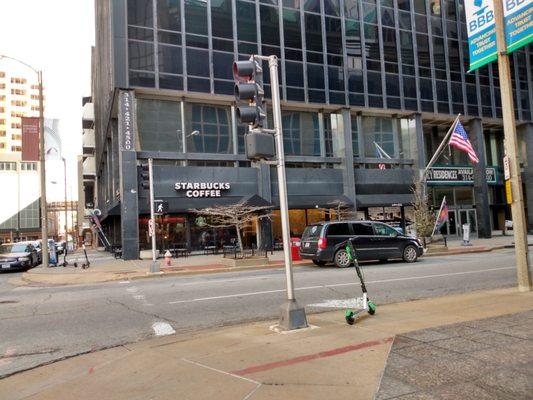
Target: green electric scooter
[{"x": 364, "y": 303}]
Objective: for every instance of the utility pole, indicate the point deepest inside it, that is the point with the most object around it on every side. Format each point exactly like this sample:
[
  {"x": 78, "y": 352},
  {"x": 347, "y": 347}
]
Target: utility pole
[
  {"x": 44, "y": 207},
  {"x": 154, "y": 268},
  {"x": 511, "y": 150}
]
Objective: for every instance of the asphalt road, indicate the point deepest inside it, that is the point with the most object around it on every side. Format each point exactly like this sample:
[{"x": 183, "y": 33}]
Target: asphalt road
[{"x": 40, "y": 325}]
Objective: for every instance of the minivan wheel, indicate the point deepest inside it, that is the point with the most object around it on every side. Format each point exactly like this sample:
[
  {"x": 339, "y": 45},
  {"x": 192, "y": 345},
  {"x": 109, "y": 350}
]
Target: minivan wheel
[
  {"x": 320, "y": 263},
  {"x": 342, "y": 259},
  {"x": 409, "y": 254}
]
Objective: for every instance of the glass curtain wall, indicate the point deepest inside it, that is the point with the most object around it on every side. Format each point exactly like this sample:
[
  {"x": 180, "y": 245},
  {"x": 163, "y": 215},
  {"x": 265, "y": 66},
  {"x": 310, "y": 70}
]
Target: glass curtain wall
[{"x": 400, "y": 55}]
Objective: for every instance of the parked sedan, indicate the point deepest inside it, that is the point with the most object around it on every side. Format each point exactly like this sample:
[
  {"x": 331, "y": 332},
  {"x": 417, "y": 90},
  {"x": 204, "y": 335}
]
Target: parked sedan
[
  {"x": 325, "y": 243},
  {"x": 18, "y": 256}
]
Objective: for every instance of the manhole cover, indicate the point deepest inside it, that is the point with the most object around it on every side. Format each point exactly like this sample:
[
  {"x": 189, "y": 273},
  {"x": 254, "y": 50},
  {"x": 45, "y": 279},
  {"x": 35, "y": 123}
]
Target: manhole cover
[{"x": 8, "y": 301}]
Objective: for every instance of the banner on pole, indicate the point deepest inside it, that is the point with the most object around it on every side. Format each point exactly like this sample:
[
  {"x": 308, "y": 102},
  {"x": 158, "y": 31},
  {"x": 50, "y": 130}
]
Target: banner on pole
[
  {"x": 481, "y": 30},
  {"x": 30, "y": 138},
  {"x": 518, "y": 20}
]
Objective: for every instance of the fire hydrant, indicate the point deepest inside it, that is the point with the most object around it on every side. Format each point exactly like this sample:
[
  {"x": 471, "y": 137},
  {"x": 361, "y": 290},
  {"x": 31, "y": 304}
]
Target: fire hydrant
[{"x": 168, "y": 258}]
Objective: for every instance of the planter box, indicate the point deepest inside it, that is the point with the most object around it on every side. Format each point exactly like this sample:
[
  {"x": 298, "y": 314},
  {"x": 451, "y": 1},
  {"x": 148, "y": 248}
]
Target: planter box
[
  {"x": 244, "y": 262},
  {"x": 146, "y": 254}
]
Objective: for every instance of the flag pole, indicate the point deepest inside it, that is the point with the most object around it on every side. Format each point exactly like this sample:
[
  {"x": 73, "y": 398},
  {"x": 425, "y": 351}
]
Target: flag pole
[
  {"x": 441, "y": 147},
  {"x": 438, "y": 215},
  {"x": 383, "y": 152}
]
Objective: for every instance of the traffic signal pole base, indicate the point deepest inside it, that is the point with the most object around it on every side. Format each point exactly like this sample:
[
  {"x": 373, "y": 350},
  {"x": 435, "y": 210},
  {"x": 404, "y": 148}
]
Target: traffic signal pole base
[
  {"x": 154, "y": 267},
  {"x": 292, "y": 316}
]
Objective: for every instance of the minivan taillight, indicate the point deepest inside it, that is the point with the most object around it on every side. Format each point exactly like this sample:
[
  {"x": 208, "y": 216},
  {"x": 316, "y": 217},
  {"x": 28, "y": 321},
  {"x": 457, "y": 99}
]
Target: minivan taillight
[{"x": 322, "y": 243}]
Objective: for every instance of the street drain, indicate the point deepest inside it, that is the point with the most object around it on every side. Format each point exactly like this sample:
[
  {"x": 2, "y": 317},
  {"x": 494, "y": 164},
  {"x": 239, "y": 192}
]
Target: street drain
[{"x": 8, "y": 301}]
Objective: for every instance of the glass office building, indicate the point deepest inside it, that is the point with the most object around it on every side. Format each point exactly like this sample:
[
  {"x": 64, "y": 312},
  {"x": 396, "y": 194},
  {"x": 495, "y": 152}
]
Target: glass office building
[{"x": 354, "y": 75}]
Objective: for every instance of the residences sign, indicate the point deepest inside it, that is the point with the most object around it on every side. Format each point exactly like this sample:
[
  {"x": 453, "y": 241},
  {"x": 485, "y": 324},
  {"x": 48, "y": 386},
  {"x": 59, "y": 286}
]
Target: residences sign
[
  {"x": 518, "y": 20},
  {"x": 457, "y": 175},
  {"x": 481, "y": 30}
]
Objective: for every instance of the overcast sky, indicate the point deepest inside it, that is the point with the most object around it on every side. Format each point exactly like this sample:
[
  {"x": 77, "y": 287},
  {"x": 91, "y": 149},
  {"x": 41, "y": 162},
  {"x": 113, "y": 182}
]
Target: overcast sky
[{"x": 55, "y": 35}]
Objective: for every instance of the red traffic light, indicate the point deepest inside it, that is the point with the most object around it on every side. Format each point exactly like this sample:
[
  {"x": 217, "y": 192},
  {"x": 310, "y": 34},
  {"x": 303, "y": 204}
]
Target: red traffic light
[{"x": 244, "y": 70}]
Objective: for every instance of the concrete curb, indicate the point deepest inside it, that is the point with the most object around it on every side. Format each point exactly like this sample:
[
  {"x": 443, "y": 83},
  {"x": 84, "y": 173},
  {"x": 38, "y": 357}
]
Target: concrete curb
[{"x": 120, "y": 276}]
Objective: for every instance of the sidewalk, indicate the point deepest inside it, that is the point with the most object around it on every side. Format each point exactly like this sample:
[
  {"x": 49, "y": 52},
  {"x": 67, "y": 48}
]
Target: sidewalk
[
  {"x": 105, "y": 269},
  {"x": 332, "y": 360}
]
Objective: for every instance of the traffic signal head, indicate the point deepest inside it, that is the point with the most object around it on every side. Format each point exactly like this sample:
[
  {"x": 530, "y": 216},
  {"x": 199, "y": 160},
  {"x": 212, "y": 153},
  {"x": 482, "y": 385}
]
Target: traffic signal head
[
  {"x": 249, "y": 87},
  {"x": 244, "y": 71},
  {"x": 144, "y": 176}
]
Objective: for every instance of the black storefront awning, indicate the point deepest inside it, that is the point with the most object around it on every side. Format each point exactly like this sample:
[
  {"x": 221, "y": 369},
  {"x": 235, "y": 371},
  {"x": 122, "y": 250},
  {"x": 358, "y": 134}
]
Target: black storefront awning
[
  {"x": 385, "y": 200},
  {"x": 184, "y": 204}
]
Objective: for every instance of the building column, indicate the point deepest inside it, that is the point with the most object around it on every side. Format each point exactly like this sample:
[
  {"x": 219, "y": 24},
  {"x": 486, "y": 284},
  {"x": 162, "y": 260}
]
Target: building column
[
  {"x": 527, "y": 131},
  {"x": 420, "y": 143},
  {"x": 481, "y": 188},
  {"x": 129, "y": 201},
  {"x": 346, "y": 154},
  {"x": 264, "y": 234}
]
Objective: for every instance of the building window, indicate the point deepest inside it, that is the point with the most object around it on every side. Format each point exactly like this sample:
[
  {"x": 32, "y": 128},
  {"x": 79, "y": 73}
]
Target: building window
[
  {"x": 28, "y": 166},
  {"x": 301, "y": 136},
  {"x": 2, "y": 145},
  {"x": 213, "y": 124},
  {"x": 2, "y": 133},
  {"x": 18, "y": 103},
  {"x": 380, "y": 131},
  {"x": 18, "y": 92},
  {"x": 8, "y": 166},
  {"x": 29, "y": 216},
  {"x": 159, "y": 124},
  {"x": 18, "y": 80},
  {"x": 16, "y": 137},
  {"x": 16, "y": 148}
]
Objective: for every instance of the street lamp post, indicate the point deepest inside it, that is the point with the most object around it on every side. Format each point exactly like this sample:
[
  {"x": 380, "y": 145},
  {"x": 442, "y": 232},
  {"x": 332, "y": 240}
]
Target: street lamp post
[
  {"x": 53, "y": 149},
  {"x": 44, "y": 209}
]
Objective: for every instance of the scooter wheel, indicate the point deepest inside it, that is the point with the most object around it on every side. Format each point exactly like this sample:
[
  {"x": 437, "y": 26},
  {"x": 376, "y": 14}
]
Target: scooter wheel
[
  {"x": 349, "y": 317},
  {"x": 371, "y": 308}
]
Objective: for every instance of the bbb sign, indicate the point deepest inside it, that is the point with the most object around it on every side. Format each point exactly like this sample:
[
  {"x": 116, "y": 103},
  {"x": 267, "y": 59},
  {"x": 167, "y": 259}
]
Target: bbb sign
[{"x": 481, "y": 32}]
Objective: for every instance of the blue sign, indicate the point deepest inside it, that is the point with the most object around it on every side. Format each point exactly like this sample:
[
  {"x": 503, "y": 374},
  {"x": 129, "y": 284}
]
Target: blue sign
[
  {"x": 518, "y": 18},
  {"x": 481, "y": 30}
]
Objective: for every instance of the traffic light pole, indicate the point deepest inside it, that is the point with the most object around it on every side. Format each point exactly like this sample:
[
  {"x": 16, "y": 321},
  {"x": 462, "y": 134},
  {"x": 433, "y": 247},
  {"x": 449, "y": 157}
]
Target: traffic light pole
[
  {"x": 154, "y": 267},
  {"x": 511, "y": 150},
  {"x": 292, "y": 315}
]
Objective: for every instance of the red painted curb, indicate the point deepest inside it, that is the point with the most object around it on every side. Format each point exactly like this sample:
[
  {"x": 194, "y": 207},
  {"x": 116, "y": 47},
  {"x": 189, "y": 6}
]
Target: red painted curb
[{"x": 309, "y": 357}]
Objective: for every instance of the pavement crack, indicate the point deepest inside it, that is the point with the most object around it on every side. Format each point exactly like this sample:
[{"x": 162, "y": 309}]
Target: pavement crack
[
  {"x": 31, "y": 353},
  {"x": 130, "y": 308}
]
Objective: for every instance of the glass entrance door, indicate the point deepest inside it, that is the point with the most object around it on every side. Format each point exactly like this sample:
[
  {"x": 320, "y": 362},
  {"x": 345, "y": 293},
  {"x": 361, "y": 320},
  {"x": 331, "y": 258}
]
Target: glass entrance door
[{"x": 468, "y": 217}]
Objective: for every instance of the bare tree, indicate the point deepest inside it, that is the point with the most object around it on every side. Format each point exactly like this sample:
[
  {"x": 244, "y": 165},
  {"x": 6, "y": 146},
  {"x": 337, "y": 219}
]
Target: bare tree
[
  {"x": 423, "y": 214},
  {"x": 233, "y": 215},
  {"x": 343, "y": 210}
]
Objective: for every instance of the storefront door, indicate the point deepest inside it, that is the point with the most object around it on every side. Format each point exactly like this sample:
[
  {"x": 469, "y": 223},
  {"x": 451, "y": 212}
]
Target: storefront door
[{"x": 468, "y": 217}]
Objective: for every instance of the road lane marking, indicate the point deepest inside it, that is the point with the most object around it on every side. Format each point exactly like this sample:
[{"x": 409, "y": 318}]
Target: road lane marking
[
  {"x": 310, "y": 357},
  {"x": 162, "y": 329},
  {"x": 229, "y": 296}
]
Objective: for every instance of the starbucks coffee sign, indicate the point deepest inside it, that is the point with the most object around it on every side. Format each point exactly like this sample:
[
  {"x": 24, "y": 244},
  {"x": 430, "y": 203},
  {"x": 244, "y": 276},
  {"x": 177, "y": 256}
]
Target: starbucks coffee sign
[{"x": 202, "y": 189}]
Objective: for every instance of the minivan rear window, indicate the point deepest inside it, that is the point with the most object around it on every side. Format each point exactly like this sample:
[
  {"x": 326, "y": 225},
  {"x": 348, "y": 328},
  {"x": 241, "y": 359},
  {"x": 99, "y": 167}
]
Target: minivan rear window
[
  {"x": 338, "y": 230},
  {"x": 312, "y": 232}
]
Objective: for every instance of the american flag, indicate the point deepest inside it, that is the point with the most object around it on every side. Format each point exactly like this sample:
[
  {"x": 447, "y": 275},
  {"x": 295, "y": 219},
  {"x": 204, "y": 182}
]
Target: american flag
[{"x": 459, "y": 140}]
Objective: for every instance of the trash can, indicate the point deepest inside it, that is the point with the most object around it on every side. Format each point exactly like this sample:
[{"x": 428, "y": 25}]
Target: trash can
[{"x": 295, "y": 249}]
